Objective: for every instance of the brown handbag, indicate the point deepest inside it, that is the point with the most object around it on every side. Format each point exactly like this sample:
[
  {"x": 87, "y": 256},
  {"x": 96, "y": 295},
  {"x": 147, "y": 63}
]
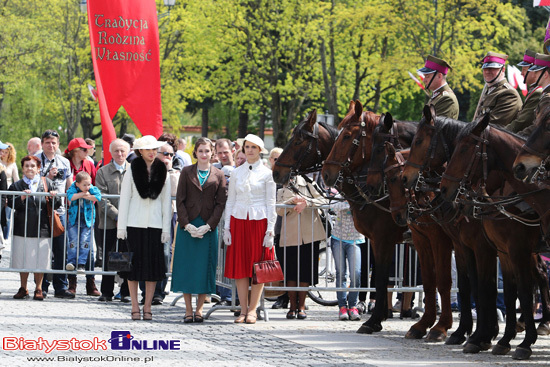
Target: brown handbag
[
  {"x": 267, "y": 271},
  {"x": 54, "y": 222}
]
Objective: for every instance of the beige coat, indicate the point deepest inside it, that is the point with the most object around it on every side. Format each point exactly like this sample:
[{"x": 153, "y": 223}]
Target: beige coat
[{"x": 289, "y": 227}]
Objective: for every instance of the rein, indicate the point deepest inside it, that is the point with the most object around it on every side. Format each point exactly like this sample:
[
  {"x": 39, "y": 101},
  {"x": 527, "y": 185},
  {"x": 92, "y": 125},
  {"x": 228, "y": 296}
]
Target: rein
[{"x": 313, "y": 145}]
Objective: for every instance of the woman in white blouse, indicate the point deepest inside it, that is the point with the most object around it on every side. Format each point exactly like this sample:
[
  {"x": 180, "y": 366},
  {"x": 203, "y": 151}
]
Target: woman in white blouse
[{"x": 249, "y": 223}]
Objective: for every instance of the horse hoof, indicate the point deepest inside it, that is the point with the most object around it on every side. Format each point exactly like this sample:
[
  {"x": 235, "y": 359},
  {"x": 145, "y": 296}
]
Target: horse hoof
[
  {"x": 414, "y": 334},
  {"x": 522, "y": 353},
  {"x": 500, "y": 350},
  {"x": 455, "y": 340},
  {"x": 520, "y": 327},
  {"x": 471, "y": 348},
  {"x": 543, "y": 329},
  {"x": 485, "y": 346},
  {"x": 436, "y": 336}
]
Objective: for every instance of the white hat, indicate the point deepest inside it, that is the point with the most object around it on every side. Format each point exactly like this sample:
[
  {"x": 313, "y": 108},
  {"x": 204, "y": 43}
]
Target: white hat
[
  {"x": 147, "y": 142},
  {"x": 254, "y": 139}
]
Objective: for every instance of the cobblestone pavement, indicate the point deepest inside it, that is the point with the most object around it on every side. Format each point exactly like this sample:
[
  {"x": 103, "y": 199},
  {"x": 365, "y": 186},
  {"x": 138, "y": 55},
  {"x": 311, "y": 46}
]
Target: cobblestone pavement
[{"x": 320, "y": 340}]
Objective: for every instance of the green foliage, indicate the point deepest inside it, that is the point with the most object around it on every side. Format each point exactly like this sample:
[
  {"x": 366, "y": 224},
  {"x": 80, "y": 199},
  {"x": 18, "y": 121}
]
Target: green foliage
[{"x": 278, "y": 58}]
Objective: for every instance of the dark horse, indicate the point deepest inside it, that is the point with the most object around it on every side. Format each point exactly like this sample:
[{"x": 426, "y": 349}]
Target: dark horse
[
  {"x": 532, "y": 162},
  {"x": 344, "y": 168},
  {"x": 481, "y": 164}
]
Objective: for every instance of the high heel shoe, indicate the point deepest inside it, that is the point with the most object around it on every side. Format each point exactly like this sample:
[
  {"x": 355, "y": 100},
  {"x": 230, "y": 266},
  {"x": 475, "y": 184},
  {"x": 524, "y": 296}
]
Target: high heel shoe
[
  {"x": 301, "y": 315},
  {"x": 291, "y": 314},
  {"x": 147, "y": 316},
  {"x": 136, "y": 315}
]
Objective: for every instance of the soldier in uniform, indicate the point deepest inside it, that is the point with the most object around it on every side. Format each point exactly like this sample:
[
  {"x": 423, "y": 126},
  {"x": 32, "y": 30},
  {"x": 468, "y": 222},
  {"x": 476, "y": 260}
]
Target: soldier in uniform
[
  {"x": 526, "y": 116},
  {"x": 541, "y": 65},
  {"x": 498, "y": 98},
  {"x": 435, "y": 77}
]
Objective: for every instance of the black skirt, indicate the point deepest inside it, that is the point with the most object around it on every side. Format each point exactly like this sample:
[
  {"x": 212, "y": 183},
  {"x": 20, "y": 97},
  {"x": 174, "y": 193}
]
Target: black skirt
[
  {"x": 309, "y": 262},
  {"x": 148, "y": 261}
]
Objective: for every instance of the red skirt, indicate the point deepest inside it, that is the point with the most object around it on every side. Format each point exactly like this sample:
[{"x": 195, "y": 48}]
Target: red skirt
[{"x": 247, "y": 239}]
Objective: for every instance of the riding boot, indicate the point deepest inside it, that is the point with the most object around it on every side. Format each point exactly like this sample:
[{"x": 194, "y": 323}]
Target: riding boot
[
  {"x": 72, "y": 283},
  {"x": 91, "y": 289}
]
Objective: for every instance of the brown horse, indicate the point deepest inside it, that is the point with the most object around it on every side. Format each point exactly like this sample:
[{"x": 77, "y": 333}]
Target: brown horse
[
  {"x": 532, "y": 162},
  {"x": 349, "y": 158},
  {"x": 433, "y": 246},
  {"x": 431, "y": 148},
  {"x": 299, "y": 157},
  {"x": 481, "y": 164}
]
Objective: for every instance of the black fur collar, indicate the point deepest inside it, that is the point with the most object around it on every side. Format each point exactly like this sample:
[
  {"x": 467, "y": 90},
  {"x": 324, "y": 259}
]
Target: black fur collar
[{"x": 148, "y": 187}]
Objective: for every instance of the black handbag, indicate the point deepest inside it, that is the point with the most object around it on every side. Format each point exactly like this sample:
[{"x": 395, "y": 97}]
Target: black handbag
[{"x": 120, "y": 261}]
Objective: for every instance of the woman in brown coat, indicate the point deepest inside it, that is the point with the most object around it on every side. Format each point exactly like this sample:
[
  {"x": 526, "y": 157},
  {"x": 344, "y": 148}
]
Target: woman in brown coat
[{"x": 200, "y": 202}]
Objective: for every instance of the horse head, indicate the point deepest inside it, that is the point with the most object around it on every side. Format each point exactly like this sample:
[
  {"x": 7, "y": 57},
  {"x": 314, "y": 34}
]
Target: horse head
[
  {"x": 382, "y": 133},
  {"x": 420, "y": 147},
  {"x": 393, "y": 167},
  {"x": 468, "y": 162},
  {"x": 534, "y": 154},
  {"x": 308, "y": 146},
  {"x": 353, "y": 145}
]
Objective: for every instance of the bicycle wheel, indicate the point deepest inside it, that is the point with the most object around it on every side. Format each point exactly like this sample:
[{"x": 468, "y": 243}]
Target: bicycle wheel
[
  {"x": 323, "y": 298},
  {"x": 326, "y": 276}
]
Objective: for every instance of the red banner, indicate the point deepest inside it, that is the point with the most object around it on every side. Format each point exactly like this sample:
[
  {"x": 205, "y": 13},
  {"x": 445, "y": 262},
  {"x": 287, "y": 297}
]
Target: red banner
[{"x": 125, "y": 53}]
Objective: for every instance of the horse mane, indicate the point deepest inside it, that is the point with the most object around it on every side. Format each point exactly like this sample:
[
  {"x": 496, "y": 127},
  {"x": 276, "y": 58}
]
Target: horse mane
[
  {"x": 467, "y": 130},
  {"x": 331, "y": 129}
]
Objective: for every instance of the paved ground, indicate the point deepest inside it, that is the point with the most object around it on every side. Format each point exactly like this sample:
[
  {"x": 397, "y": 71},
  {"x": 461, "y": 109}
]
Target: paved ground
[{"x": 320, "y": 340}]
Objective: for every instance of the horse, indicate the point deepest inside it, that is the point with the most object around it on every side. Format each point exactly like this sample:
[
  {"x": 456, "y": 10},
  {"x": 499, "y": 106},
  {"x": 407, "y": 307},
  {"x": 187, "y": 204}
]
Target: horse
[
  {"x": 533, "y": 161},
  {"x": 350, "y": 157},
  {"x": 432, "y": 244},
  {"x": 483, "y": 159},
  {"x": 431, "y": 148}
]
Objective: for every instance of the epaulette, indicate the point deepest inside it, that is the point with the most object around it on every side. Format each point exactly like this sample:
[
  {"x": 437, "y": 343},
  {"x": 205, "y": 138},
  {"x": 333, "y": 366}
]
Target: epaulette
[{"x": 445, "y": 93}]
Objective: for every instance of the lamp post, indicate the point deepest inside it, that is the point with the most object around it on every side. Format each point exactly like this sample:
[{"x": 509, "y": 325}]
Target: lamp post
[{"x": 326, "y": 118}]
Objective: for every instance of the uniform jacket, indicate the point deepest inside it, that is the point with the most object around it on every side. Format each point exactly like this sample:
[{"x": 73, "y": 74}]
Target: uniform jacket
[
  {"x": 109, "y": 180},
  {"x": 445, "y": 102},
  {"x": 207, "y": 201},
  {"x": 34, "y": 207},
  {"x": 544, "y": 101},
  {"x": 527, "y": 114},
  {"x": 145, "y": 200},
  {"x": 502, "y": 101},
  {"x": 289, "y": 229}
]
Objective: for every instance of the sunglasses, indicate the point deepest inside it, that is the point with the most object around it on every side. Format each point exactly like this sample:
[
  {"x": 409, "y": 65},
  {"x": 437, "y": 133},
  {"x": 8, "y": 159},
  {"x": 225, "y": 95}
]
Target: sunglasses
[
  {"x": 49, "y": 133},
  {"x": 166, "y": 154}
]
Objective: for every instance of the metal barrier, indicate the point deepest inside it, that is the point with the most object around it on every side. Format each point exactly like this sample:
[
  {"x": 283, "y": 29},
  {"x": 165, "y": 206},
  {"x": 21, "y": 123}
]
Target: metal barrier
[{"x": 324, "y": 292}]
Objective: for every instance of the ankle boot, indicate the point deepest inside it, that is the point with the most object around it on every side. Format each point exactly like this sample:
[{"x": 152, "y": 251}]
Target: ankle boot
[
  {"x": 91, "y": 289},
  {"x": 72, "y": 284}
]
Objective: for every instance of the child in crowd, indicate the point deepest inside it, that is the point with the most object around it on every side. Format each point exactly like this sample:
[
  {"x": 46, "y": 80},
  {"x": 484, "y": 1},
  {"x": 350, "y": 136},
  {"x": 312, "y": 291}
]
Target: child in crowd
[{"x": 81, "y": 195}]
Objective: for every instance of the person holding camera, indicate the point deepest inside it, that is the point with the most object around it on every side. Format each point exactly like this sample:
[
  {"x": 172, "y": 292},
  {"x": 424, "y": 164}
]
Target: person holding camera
[{"x": 58, "y": 169}]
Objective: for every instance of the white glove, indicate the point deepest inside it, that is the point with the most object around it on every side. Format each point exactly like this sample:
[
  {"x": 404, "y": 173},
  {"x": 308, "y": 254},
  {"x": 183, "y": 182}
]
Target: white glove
[
  {"x": 269, "y": 239},
  {"x": 202, "y": 230},
  {"x": 164, "y": 237},
  {"x": 227, "y": 237},
  {"x": 121, "y": 234},
  {"x": 190, "y": 228}
]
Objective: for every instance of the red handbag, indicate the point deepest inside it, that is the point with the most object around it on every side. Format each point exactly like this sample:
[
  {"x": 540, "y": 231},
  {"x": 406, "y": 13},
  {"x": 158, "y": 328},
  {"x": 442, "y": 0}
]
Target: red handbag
[{"x": 267, "y": 271}]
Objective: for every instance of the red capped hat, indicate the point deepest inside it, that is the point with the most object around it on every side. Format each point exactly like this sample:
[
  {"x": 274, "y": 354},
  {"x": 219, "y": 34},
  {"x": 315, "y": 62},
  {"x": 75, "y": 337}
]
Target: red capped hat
[{"x": 77, "y": 143}]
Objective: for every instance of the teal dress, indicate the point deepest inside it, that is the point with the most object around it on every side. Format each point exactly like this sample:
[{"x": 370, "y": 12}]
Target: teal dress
[{"x": 197, "y": 258}]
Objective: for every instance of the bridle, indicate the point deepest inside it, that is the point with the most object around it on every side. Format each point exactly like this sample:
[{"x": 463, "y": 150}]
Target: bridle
[
  {"x": 393, "y": 138},
  {"x": 430, "y": 154},
  {"x": 313, "y": 145},
  {"x": 480, "y": 155},
  {"x": 541, "y": 174}
]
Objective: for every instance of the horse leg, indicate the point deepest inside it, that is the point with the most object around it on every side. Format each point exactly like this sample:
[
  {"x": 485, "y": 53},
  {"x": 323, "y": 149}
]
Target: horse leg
[
  {"x": 441, "y": 246},
  {"x": 464, "y": 290},
  {"x": 541, "y": 277},
  {"x": 382, "y": 257},
  {"x": 422, "y": 247},
  {"x": 523, "y": 272},
  {"x": 510, "y": 294},
  {"x": 487, "y": 320}
]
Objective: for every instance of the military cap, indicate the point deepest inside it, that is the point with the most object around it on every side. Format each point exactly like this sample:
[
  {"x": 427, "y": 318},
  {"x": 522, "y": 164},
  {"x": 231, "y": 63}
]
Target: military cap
[
  {"x": 434, "y": 64},
  {"x": 494, "y": 60},
  {"x": 528, "y": 58},
  {"x": 542, "y": 61}
]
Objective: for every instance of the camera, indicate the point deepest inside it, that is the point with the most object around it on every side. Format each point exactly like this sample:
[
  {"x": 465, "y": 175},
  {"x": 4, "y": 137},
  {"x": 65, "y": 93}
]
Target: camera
[{"x": 60, "y": 175}]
